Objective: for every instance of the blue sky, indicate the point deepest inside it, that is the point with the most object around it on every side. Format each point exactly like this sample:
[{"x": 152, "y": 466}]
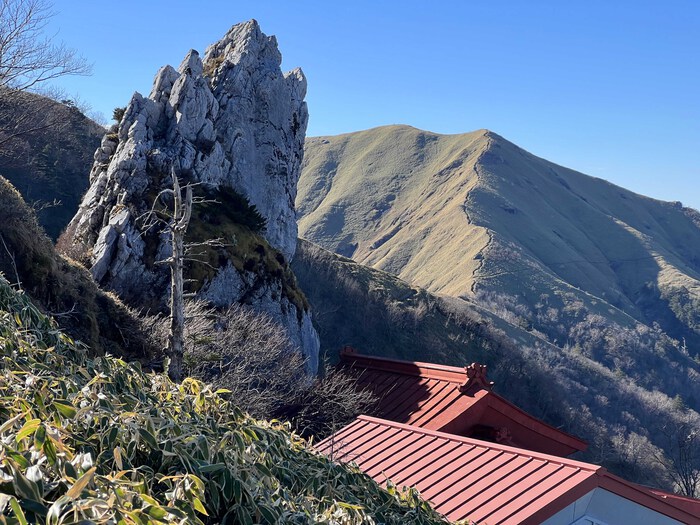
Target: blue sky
[{"x": 609, "y": 88}]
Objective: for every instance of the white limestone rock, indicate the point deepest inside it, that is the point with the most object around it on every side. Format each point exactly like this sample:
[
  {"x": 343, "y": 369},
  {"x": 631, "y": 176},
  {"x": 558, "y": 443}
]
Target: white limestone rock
[{"x": 232, "y": 120}]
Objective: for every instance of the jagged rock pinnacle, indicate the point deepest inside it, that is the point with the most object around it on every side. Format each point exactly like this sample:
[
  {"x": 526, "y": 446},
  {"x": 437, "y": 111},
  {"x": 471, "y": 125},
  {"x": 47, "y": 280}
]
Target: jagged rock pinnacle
[{"x": 232, "y": 120}]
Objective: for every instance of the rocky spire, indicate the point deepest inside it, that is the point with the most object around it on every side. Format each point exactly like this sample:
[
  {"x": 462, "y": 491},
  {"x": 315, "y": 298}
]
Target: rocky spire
[{"x": 232, "y": 122}]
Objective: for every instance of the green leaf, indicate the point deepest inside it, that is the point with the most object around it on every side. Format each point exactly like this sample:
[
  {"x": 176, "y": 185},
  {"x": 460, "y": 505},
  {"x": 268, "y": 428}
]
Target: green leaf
[
  {"x": 237, "y": 490},
  {"x": 112, "y": 436},
  {"x": 27, "y": 429},
  {"x": 271, "y": 515},
  {"x": 23, "y": 487},
  {"x": 19, "y": 514},
  {"x": 244, "y": 515},
  {"x": 65, "y": 408},
  {"x": 199, "y": 507},
  {"x": 34, "y": 506},
  {"x": 40, "y": 437},
  {"x": 263, "y": 470},
  {"x": 214, "y": 467},
  {"x": 158, "y": 513},
  {"x": 70, "y": 470},
  {"x": 50, "y": 450},
  {"x": 148, "y": 438}
]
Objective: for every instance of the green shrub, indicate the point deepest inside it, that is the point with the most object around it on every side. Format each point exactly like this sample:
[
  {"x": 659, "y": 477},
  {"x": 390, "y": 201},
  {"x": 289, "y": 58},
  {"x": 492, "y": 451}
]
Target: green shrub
[{"x": 96, "y": 440}]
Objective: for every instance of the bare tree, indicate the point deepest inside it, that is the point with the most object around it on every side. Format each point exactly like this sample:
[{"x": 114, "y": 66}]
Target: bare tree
[
  {"x": 176, "y": 221},
  {"x": 182, "y": 212},
  {"x": 681, "y": 461},
  {"x": 173, "y": 214},
  {"x": 29, "y": 59}
]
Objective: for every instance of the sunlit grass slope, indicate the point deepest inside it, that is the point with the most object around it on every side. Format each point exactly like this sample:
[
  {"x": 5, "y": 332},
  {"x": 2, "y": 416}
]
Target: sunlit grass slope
[
  {"x": 393, "y": 198},
  {"x": 470, "y": 213}
]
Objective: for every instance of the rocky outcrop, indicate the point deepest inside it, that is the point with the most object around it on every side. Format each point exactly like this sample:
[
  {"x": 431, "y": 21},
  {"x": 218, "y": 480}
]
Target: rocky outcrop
[{"x": 232, "y": 124}]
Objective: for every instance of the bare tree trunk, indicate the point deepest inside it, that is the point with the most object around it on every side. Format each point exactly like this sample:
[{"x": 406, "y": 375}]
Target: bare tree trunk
[{"x": 181, "y": 218}]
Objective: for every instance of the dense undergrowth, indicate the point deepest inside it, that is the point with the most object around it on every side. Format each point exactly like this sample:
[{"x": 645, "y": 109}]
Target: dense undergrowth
[{"x": 96, "y": 440}]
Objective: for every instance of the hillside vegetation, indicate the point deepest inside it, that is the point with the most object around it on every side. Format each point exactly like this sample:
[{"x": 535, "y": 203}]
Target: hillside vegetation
[
  {"x": 96, "y": 440},
  {"x": 632, "y": 428},
  {"x": 61, "y": 286},
  {"x": 380, "y": 314},
  {"x": 591, "y": 291},
  {"x": 50, "y": 160}
]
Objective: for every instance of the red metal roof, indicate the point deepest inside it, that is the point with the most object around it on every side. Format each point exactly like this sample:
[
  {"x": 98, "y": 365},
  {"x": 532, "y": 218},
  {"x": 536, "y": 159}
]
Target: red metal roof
[
  {"x": 465, "y": 478},
  {"x": 691, "y": 505},
  {"x": 454, "y": 400}
]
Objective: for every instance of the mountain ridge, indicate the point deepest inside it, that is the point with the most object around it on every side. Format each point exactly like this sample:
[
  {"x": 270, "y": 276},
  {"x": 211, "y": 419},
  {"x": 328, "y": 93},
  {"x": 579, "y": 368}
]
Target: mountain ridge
[{"x": 396, "y": 198}]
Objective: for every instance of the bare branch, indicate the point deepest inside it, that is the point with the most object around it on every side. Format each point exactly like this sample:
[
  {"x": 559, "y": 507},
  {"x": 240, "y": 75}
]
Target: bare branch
[
  {"x": 39, "y": 206},
  {"x": 28, "y": 57},
  {"x": 12, "y": 260}
]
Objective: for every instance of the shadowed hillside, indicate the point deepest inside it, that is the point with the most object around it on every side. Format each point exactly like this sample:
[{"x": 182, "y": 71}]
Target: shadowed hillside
[
  {"x": 62, "y": 287},
  {"x": 626, "y": 419},
  {"x": 381, "y": 314},
  {"x": 50, "y": 159}
]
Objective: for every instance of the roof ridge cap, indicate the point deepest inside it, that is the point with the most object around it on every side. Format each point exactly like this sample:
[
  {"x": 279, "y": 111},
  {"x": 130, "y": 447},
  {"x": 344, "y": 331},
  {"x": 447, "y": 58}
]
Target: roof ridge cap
[{"x": 353, "y": 357}]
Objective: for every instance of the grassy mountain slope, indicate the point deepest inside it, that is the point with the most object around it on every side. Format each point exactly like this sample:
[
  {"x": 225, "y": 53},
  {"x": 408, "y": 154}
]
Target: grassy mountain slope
[
  {"x": 51, "y": 160},
  {"x": 474, "y": 215},
  {"x": 96, "y": 440},
  {"x": 392, "y": 198}
]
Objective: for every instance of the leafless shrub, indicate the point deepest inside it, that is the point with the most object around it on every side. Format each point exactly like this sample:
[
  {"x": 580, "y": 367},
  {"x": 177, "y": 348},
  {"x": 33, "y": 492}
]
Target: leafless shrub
[
  {"x": 245, "y": 352},
  {"x": 328, "y": 404},
  {"x": 248, "y": 353}
]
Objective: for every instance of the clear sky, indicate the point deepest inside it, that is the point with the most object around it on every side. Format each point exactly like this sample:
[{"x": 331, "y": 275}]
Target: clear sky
[{"x": 607, "y": 87}]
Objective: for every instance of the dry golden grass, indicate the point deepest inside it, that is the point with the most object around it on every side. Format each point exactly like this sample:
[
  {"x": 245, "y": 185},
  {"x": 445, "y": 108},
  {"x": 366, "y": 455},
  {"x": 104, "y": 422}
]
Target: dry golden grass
[
  {"x": 393, "y": 198},
  {"x": 61, "y": 286},
  {"x": 460, "y": 213}
]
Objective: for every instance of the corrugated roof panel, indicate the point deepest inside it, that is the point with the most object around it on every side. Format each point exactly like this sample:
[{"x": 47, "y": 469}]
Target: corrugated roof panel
[
  {"x": 441, "y": 399},
  {"x": 371, "y": 444},
  {"x": 481, "y": 492},
  {"x": 461, "y": 477},
  {"x": 465, "y": 477},
  {"x": 446, "y": 454},
  {"x": 408, "y": 394},
  {"x": 379, "y": 466},
  {"x": 526, "y": 492}
]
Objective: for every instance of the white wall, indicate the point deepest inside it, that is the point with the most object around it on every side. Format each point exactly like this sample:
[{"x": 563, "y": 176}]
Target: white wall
[{"x": 601, "y": 507}]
